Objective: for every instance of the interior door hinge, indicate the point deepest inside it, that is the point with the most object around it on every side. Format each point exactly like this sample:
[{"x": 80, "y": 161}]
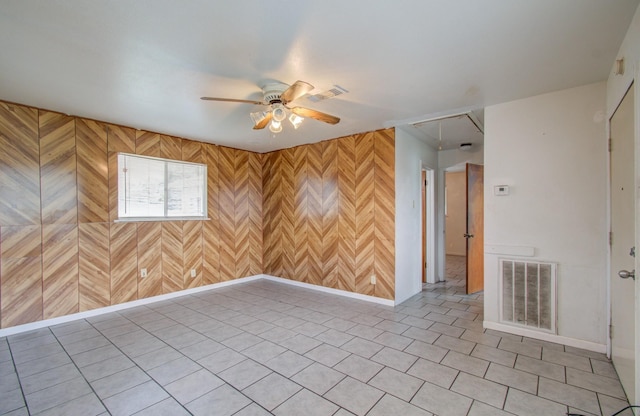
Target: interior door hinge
[
  {"x": 610, "y": 144},
  {"x": 610, "y": 238},
  {"x": 610, "y": 331}
]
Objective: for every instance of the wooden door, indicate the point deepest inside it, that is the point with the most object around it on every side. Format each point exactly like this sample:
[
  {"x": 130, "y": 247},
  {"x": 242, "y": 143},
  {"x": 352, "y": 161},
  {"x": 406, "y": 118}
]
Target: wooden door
[
  {"x": 622, "y": 240},
  {"x": 475, "y": 228}
]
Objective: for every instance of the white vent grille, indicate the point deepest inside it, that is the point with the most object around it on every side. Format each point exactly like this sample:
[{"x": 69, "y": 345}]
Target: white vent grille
[
  {"x": 528, "y": 294},
  {"x": 336, "y": 90}
]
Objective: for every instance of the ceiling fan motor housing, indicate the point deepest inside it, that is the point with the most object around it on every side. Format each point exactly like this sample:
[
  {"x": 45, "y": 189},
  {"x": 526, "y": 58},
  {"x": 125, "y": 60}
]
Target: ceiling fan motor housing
[{"x": 272, "y": 92}]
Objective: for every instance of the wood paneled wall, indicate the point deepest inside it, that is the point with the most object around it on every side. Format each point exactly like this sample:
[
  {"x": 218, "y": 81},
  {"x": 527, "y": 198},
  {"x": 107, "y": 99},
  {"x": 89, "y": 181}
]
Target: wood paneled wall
[
  {"x": 329, "y": 213},
  {"x": 61, "y": 250},
  {"x": 322, "y": 213}
]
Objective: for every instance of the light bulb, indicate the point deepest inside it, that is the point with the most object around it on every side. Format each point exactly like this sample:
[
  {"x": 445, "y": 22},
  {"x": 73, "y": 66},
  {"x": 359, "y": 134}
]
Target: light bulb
[
  {"x": 278, "y": 112},
  {"x": 296, "y": 120},
  {"x": 275, "y": 126}
]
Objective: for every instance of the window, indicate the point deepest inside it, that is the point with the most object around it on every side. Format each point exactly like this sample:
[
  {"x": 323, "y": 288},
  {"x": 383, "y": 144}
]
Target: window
[{"x": 150, "y": 188}]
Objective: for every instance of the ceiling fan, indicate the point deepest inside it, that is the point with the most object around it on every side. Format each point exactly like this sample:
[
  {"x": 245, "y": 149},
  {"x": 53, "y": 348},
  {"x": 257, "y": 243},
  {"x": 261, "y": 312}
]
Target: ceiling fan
[{"x": 277, "y": 97}]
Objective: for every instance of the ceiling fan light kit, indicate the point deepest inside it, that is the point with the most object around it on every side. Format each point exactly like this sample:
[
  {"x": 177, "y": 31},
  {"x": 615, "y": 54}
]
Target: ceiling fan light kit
[{"x": 277, "y": 96}]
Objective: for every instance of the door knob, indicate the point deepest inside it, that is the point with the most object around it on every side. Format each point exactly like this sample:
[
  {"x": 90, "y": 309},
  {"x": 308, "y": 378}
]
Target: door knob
[
  {"x": 468, "y": 235},
  {"x": 627, "y": 274}
]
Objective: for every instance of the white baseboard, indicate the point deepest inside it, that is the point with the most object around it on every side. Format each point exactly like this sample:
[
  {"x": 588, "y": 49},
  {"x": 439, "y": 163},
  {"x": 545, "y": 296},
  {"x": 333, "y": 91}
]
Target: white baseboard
[
  {"x": 114, "y": 308},
  {"x": 558, "y": 339},
  {"x": 367, "y": 298}
]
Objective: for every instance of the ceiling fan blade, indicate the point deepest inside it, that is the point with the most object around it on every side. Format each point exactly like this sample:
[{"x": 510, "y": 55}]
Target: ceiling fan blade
[
  {"x": 263, "y": 123},
  {"x": 295, "y": 91},
  {"x": 231, "y": 100},
  {"x": 317, "y": 115}
]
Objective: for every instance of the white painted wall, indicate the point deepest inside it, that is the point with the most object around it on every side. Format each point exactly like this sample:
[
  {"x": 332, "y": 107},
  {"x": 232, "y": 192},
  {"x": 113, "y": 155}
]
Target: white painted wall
[
  {"x": 617, "y": 86},
  {"x": 551, "y": 151},
  {"x": 448, "y": 160},
  {"x": 412, "y": 155}
]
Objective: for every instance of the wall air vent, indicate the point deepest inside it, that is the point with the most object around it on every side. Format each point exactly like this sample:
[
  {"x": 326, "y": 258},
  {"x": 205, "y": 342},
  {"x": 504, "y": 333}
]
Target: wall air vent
[
  {"x": 330, "y": 93},
  {"x": 528, "y": 294}
]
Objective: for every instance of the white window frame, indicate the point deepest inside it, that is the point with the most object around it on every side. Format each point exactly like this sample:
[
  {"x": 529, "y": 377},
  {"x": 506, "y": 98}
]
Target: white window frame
[{"x": 122, "y": 217}]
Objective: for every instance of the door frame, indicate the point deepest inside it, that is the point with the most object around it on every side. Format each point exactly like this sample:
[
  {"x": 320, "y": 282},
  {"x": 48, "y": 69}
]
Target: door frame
[
  {"x": 428, "y": 221},
  {"x": 634, "y": 83}
]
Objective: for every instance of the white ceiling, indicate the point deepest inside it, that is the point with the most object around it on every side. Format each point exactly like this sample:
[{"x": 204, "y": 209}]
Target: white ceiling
[{"x": 146, "y": 63}]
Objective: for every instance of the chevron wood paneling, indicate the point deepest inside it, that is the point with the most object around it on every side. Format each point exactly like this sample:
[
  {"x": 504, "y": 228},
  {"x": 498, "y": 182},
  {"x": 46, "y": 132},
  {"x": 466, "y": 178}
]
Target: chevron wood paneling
[
  {"x": 20, "y": 274},
  {"x": 384, "y": 200},
  {"x": 147, "y": 144},
  {"x": 124, "y": 262},
  {"x": 347, "y": 213},
  {"x": 93, "y": 171},
  {"x": 94, "y": 266},
  {"x": 300, "y": 213},
  {"x": 268, "y": 208},
  {"x": 171, "y": 147},
  {"x": 172, "y": 261},
  {"x": 330, "y": 214},
  {"x": 211, "y": 241},
  {"x": 226, "y": 201},
  {"x": 119, "y": 139},
  {"x": 365, "y": 208},
  {"x": 59, "y": 270},
  {"x": 255, "y": 213},
  {"x": 149, "y": 235},
  {"x": 19, "y": 170},
  {"x": 241, "y": 214},
  {"x": 58, "y": 168},
  {"x": 314, "y": 214},
  {"x": 287, "y": 208},
  {"x": 192, "y": 253},
  {"x": 193, "y": 151}
]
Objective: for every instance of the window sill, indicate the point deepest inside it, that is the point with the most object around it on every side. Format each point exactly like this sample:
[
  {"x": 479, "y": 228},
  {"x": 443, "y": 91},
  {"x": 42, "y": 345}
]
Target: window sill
[{"x": 153, "y": 219}]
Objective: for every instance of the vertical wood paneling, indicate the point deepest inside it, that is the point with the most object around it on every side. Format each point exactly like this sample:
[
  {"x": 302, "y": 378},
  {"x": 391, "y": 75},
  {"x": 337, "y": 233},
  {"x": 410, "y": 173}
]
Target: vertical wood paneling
[
  {"x": 93, "y": 171},
  {"x": 19, "y": 170},
  {"x": 172, "y": 261},
  {"x": 241, "y": 214},
  {"x": 147, "y": 143},
  {"x": 59, "y": 270},
  {"x": 57, "y": 169},
  {"x": 124, "y": 262},
  {"x": 255, "y": 214},
  {"x": 268, "y": 211},
  {"x": 211, "y": 244},
  {"x": 192, "y": 231},
  {"x": 94, "y": 265},
  {"x": 226, "y": 201},
  {"x": 119, "y": 139},
  {"x": 365, "y": 224},
  {"x": 288, "y": 213},
  {"x": 330, "y": 214},
  {"x": 346, "y": 214},
  {"x": 314, "y": 214},
  {"x": 20, "y": 274},
  {"x": 192, "y": 253},
  {"x": 384, "y": 197},
  {"x": 149, "y": 236},
  {"x": 300, "y": 214}
]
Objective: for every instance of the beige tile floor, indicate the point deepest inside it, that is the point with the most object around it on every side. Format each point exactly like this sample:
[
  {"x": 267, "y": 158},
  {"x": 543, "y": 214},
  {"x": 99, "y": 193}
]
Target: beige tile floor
[{"x": 263, "y": 348}]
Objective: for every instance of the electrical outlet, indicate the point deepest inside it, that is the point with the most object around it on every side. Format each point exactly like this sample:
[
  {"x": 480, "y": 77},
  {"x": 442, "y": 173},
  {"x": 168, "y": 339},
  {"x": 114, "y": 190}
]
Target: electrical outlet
[
  {"x": 193, "y": 272},
  {"x": 373, "y": 279},
  {"x": 143, "y": 272}
]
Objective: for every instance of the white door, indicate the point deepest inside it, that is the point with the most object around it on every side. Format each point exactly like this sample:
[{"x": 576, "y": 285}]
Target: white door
[{"x": 623, "y": 242}]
